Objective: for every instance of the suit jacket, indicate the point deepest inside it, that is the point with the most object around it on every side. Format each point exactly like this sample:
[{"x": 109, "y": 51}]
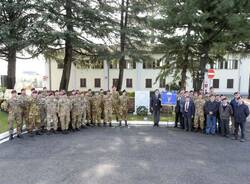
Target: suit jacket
[
  {"x": 155, "y": 103},
  {"x": 190, "y": 111}
]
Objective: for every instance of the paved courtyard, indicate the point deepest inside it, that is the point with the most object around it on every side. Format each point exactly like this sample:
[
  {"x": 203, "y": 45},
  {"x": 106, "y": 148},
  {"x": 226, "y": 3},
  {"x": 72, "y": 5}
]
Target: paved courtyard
[{"x": 135, "y": 155}]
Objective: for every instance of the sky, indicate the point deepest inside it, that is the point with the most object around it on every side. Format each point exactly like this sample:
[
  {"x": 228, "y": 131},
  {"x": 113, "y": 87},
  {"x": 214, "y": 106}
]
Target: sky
[{"x": 35, "y": 65}]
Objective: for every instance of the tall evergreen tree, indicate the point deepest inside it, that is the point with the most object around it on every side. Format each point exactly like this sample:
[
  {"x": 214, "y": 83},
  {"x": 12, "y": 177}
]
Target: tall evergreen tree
[
  {"x": 130, "y": 36},
  {"x": 217, "y": 27},
  {"x": 17, "y": 25},
  {"x": 75, "y": 26}
]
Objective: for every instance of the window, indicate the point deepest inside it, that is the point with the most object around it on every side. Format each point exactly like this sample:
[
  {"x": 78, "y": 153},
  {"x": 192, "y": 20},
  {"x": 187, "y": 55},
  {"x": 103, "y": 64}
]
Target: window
[
  {"x": 226, "y": 65},
  {"x": 130, "y": 65},
  {"x": 148, "y": 83},
  {"x": 235, "y": 64},
  {"x": 230, "y": 83},
  {"x": 83, "y": 83},
  {"x": 220, "y": 65},
  {"x": 162, "y": 83},
  {"x": 115, "y": 82},
  {"x": 60, "y": 65},
  {"x": 129, "y": 83},
  {"x": 97, "y": 83},
  {"x": 216, "y": 83}
]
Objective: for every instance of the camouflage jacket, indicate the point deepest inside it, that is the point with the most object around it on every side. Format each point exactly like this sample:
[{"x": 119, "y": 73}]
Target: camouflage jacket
[
  {"x": 14, "y": 105},
  {"x": 51, "y": 104},
  {"x": 25, "y": 102},
  {"x": 76, "y": 102},
  {"x": 64, "y": 105},
  {"x": 124, "y": 102},
  {"x": 115, "y": 98},
  {"x": 96, "y": 101},
  {"x": 199, "y": 105},
  {"x": 107, "y": 99},
  {"x": 34, "y": 106}
]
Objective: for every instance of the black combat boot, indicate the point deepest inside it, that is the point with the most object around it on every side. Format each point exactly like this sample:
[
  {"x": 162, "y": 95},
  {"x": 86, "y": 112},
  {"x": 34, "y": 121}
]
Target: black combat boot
[
  {"x": 49, "y": 132},
  {"x": 120, "y": 123},
  {"x": 11, "y": 137},
  {"x": 31, "y": 134},
  {"x": 110, "y": 125},
  {"x": 38, "y": 132},
  {"x": 104, "y": 124},
  {"x": 126, "y": 123},
  {"x": 19, "y": 136}
]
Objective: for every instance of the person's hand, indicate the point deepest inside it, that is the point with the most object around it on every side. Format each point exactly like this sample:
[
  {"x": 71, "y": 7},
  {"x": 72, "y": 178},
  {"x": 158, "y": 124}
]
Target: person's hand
[{"x": 210, "y": 113}]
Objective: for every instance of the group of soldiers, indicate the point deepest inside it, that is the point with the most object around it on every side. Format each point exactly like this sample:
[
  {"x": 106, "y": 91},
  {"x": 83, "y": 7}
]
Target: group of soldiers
[
  {"x": 211, "y": 113},
  {"x": 50, "y": 111}
]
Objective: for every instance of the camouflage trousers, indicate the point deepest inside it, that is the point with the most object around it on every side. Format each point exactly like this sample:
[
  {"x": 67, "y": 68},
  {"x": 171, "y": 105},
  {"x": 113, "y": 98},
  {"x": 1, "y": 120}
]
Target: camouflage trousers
[
  {"x": 14, "y": 117},
  {"x": 43, "y": 117},
  {"x": 116, "y": 110},
  {"x": 25, "y": 119},
  {"x": 107, "y": 115},
  {"x": 96, "y": 115},
  {"x": 52, "y": 121},
  {"x": 34, "y": 122},
  {"x": 88, "y": 115},
  {"x": 83, "y": 117},
  {"x": 199, "y": 120},
  {"x": 76, "y": 120},
  {"x": 124, "y": 114},
  {"x": 64, "y": 119}
]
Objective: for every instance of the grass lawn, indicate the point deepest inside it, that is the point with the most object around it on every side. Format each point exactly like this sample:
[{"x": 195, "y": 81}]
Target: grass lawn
[
  {"x": 164, "y": 117},
  {"x": 3, "y": 122}
]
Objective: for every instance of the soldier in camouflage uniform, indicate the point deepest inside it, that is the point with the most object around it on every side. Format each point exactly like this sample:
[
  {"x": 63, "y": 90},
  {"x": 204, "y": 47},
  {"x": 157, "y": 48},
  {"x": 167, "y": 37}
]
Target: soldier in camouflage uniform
[
  {"x": 83, "y": 110},
  {"x": 107, "y": 100},
  {"x": 34, "y": 114},
  {"x": 89, "y": 107},
  {"x": 124, "y": 107},
  {"x": 13, "y": 106},
  {"x": 51, "y": 109},
  {"x": 64, "y": 108},
  {"x": 42, "y": 97},
  {"x": 76, "y": 102},
  {"x": 199, "y": 113},
  {"x": 25, "y": 108},
  {"x": 102, "y": 104},
  {"x": 116, "y": 104},
  {"x": 96, "y": 109}
]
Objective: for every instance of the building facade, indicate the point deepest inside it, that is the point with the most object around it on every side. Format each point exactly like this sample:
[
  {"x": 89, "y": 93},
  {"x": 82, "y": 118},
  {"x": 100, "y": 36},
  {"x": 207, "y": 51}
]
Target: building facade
[{"x": 230, "y": 76}]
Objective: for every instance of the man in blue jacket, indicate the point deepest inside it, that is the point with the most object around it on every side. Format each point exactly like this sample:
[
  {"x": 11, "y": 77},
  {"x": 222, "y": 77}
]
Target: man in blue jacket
[
  {"x": 211, "y": 108},
  {"x": 240, "y": 115},
  {"x": 188, "y": 110}
]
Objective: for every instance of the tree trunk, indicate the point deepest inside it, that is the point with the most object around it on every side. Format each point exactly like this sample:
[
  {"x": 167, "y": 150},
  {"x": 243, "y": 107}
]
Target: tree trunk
[
  {"x": 123, "y": 26},
  {"x": 186, "y": 60},
  {"x": 183, "y": 77},
  {"x": 202, "y": 67},
  {"x": 68, "y": 49},
  {"x": 11, "y": 73}
]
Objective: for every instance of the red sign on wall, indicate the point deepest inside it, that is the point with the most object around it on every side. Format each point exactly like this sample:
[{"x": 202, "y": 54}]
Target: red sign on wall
[{"x": 211, "y": 73}]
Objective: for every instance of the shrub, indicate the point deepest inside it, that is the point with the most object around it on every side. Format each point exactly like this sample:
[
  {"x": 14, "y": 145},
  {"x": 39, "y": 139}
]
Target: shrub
[{"x": 142, "y": 111}]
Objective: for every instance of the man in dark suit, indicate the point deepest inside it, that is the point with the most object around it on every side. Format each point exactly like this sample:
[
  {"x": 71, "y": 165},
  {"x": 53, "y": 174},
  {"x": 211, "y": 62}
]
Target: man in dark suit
[
  {"x": 155, "y": 106},
  {"x": 240, "y": 115},
  {"x": 188, "y": 112},
  {"x": 177, "y": 112}
]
